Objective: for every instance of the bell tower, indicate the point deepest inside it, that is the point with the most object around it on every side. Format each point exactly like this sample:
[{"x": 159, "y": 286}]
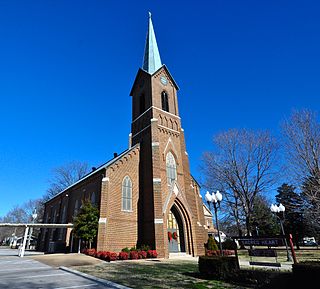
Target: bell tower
[{"x": 165, "y": 182}]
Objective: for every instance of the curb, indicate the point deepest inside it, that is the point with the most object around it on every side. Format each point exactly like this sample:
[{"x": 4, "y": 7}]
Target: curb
[{"x": 93, "y": 278}]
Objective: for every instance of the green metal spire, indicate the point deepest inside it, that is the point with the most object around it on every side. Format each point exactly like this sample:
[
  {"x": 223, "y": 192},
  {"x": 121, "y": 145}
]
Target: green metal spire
[{"x": 151, "y": 60}]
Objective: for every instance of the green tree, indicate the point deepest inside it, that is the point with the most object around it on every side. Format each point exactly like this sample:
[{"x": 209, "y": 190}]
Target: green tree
[
  {"x": 263, "y": 222},
  {"x": 294, "y": 220},
  {"x": 86, "y": 223},
  {"x": 212, "y": 245}
]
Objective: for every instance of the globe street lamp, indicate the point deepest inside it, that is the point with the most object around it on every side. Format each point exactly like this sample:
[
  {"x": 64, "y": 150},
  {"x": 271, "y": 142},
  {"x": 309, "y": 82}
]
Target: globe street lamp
[
  {"x": 215, "y": 200},
  {"x": 278, "y": 211}
]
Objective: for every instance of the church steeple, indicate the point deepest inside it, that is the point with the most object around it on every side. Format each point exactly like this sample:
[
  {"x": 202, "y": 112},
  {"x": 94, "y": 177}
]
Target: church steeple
[{"x": 151, "y": 60}]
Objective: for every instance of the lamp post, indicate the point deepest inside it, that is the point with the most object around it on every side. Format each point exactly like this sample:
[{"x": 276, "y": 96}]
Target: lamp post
[
  {"x": 279, "y": 213},
  {"x": 215, "y": 200}
]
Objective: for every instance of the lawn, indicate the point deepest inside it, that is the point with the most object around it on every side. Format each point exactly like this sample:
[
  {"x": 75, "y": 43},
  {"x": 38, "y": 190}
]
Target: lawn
[
  {"x": 154, "y": 274},
  {"x": 170, "y": 273}
]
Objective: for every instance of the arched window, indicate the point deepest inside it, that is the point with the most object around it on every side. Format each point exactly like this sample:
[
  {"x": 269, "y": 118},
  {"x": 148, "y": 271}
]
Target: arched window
[
  {"x": 171, "y": 168},
  {"x": 76, "y": 208},
  {"x": 126, "y": 194},
  {"x": 142, "y": 103},
  {"x": 93, "y": 198},
  {"x": 165, "y": 101}
]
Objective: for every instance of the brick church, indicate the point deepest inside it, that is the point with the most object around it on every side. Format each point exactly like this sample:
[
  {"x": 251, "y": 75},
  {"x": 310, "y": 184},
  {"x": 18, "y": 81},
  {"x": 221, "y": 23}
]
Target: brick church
[{"x": 146, "y": 191}]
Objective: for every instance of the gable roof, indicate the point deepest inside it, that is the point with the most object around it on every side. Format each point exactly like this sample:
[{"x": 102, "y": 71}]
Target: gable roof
[{"x": 100, "y": 168}]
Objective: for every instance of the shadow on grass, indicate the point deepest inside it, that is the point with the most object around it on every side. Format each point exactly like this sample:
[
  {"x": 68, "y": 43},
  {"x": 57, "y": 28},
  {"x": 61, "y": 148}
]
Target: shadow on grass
[{"x": 260, "y": 279}]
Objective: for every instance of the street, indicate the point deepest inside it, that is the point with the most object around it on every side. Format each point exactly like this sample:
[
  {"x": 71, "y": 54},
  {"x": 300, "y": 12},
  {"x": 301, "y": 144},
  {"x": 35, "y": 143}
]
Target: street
[{"x": 17, "y": 273}]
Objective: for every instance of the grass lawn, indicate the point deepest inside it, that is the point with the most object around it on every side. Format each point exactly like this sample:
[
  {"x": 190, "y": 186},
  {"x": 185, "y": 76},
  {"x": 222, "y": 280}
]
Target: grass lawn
[
  {"x": 170, "y": 273},
  {"x": 154, "y": 274},
  {"x": 302, "y": 255}
]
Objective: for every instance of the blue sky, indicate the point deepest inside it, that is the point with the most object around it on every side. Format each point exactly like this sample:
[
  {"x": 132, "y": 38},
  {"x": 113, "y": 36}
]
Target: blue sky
[{"x": 67, "y": 67}]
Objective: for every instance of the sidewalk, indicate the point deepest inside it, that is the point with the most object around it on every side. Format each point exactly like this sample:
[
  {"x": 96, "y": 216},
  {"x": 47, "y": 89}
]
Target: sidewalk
[
  {"x": 284, "y": 266},
  {"x": 66, "y": 260}
]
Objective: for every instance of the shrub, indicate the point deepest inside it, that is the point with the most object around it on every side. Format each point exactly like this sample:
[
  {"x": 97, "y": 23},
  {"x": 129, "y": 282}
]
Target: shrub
[
  {"x": 133, "y": 248},
  {"x": 104, "y": 255},
  {"x": 220, "y": 267},
  {"x": 98, "y": 254},
  {"x": 306, "y": 270},
  {"x": 152, "y": 254},
  {"x": 123, "y": 255},
  {"x": 112, "y": 256},
  {"x": 134, "y": 255},
  {"x": 142, "y": 254},
  {"x": 91, "y": 252},
  {"x": 211, "y": 244},
  {"x": 126, "y": 249},
  {"x": 145, "y": 248},
  {"x": 229, "y": 244}
]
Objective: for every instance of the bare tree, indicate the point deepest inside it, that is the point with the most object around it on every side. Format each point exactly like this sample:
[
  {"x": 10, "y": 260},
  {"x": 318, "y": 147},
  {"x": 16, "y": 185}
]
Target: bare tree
[
  {"x": 242, "y": 166},
  {"x": 65, "y": 176},
  {"x": 20, "y": 214},
  {"x": 302, "y": 142}
]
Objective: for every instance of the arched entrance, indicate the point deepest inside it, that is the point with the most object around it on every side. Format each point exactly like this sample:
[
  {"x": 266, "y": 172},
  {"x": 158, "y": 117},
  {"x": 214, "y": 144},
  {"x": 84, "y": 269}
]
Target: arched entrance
[{"x": 175, "y": 229}]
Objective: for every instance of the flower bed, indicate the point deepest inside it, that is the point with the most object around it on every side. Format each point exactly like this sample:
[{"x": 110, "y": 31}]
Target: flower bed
[{"x": 112, "y": 256}]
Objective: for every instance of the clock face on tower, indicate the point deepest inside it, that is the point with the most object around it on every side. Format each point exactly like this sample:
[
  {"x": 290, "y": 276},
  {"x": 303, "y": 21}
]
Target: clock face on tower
[{"x": 163, "y": 80}]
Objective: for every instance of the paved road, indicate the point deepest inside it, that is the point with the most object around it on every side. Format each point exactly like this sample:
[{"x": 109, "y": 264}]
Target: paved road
[{"x": 17, "y": 273}]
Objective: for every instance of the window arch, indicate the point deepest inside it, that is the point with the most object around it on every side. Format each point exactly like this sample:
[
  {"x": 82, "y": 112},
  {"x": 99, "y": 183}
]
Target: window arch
[
  {"x": 171, "y": 168},
  {"x": 93, "y": 198},
  {"x": 165, "y": 101},
  {"x": 126, "y": 194}
]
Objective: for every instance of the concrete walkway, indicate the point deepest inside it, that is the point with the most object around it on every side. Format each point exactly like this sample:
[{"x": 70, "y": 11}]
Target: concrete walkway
[
  {"x": 66, "y": 260},
  {"x": 28, "y": 273}
]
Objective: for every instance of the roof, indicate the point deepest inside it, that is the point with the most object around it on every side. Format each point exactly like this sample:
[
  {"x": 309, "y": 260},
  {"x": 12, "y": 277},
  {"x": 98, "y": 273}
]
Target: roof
[
  {"x": 151, "y": 59},
  {"x": 206, "y": 211},
  {"x": 102, "y": 167}
]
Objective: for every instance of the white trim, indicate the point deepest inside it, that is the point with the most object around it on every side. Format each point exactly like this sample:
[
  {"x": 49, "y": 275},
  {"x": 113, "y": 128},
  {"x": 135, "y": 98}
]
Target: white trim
[
  {"x": 155, "y": 144},
  {"x": 102, "y": 220},
  {"x": 142, "y": 114},
  {"x": 158, "y": 221},
  {"x": 157, "y": 108},
  {"x": 168, "y": 128},
  {"x": 141, "y": 130},
  {"x": 157, "y": 180},
  {"x": 127, "y": 211},
  {"x": 106, "y": 179},
  {"x": 153, "y": 119},
  {"x": 166, "y": 112}
]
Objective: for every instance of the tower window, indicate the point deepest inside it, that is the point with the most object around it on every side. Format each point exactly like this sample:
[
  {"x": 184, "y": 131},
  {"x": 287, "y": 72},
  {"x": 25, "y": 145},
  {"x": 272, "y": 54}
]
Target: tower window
[
  {"x": 126, "y": 194},
  {"x": 171, "y": 168},
  {"x": 165, "y": 101},
  {"x": 142, "y": 103}
]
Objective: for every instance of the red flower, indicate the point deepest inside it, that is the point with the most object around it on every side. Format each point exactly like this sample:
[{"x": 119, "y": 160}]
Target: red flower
[
  {"x": 134, "y": 255},
  {"x": 123, "y": 256},
  {"x": 152, "y": 254},
  {"x": 169, "y": 236}
]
